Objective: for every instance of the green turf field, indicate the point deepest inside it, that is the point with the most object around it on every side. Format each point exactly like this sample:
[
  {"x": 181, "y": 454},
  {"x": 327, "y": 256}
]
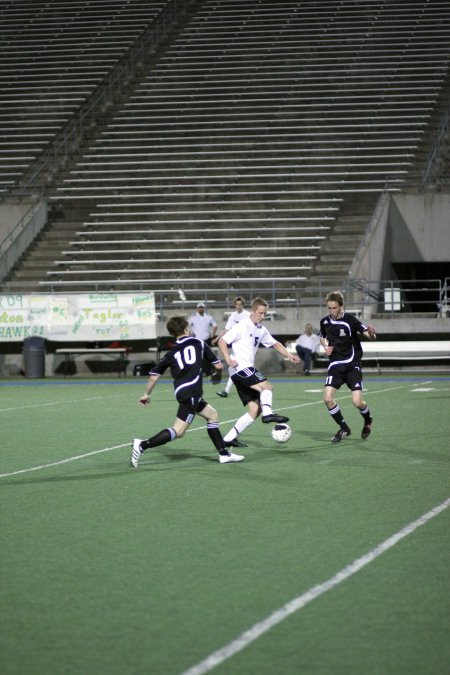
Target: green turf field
[{"x": 295, "y": 562}]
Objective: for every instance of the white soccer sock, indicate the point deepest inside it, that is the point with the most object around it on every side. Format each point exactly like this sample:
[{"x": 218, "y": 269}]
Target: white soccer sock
[
  {"x": 228, "y": 385},
  {"x": 242, "y": 423},
  {"x": 266, "y": 401}
]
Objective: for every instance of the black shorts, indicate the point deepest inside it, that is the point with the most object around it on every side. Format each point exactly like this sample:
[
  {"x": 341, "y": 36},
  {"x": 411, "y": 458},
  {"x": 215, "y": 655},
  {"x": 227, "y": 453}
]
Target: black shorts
[
  {"x": 189, "y": 407},
  {"x": 243, "y": 380},
  {"x": 351, "y": 375}
]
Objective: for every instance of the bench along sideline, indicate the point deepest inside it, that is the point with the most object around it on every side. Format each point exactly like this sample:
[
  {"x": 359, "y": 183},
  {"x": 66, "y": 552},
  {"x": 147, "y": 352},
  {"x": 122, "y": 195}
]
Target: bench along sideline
[{"x": 414, "y": 350}]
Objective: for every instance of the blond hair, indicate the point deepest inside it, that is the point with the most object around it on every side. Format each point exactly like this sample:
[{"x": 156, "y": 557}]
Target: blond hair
[{"x": 335, "y": 296}]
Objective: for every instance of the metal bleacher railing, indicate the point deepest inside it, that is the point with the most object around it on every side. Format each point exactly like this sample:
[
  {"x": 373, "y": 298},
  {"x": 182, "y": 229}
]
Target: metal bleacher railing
[
  {"x": 388, "y": 297},
  {"x": 363, "y": 296}
]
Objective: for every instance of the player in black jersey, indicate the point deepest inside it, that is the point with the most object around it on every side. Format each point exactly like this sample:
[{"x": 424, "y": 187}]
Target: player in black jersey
[
  {"x": 340, "y": 336},
  {"x": 185, "y": 361}
]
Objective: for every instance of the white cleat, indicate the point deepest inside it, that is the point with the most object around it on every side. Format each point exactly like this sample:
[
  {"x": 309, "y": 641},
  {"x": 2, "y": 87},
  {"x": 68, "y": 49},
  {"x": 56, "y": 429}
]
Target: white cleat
[
  {"x": 226, "y": 459},
  {"x": 136, "y": 453}
]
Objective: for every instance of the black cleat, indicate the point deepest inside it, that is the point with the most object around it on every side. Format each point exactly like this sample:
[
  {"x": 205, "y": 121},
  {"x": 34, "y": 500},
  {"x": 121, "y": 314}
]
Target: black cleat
[
  {"x": 343, "y": 431},
  {"x": 222, "y": 394},
  {"x": 367, "y": 428},
  {"x": 235, "y": 444},
  {"x": 278, "y": 419}
]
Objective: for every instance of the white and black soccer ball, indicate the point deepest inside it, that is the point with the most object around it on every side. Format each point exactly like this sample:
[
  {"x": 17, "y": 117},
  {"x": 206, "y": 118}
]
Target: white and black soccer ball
[{"x": 281, "y": 433}]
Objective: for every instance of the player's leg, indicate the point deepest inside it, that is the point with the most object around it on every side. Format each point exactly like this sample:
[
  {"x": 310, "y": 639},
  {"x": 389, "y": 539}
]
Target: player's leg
[
  {"x": 363, "y": 408},
  {"x": 212, "y": 427},
  {"x": 230, "y": 439},
  {"x": 265, "y": 390},
  {"x": 333, "y": 408},
  {"x": 250, "y": 399},
  {"x": 164, "y": 436},
  {"x": 185, "y": 415},
  {"x": 227, "y": 389}
]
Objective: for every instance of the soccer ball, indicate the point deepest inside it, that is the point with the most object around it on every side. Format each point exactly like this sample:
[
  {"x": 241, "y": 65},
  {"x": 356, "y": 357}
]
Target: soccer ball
[{"x": 281, "y": 433}]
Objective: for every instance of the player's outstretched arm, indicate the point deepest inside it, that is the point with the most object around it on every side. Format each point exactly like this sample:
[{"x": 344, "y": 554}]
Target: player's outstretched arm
[
  {"x": 223, "y": 349},
  {"x": 145, "y": 398},
  {"x": 282, "y": 350}
]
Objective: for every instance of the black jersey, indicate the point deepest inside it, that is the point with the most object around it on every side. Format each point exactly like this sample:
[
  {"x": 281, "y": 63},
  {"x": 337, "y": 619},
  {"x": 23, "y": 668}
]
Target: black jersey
[
  {"x": 185, "y": 361},
  {"x": 343, "y": 334}
]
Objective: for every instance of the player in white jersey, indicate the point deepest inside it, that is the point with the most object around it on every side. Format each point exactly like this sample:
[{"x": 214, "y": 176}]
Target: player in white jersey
[
  {"x": 235, "y": 317},
  {"x": 254, "y": 390}
]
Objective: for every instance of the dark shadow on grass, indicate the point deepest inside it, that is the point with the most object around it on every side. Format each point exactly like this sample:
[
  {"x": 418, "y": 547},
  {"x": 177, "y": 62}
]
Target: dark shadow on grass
[{"x": 180, "y": 457}]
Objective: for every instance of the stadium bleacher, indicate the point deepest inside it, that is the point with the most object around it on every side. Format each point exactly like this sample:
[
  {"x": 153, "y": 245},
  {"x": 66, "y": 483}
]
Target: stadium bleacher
[
  {"x": 246, "y": 143},
  {"x": 52, "y": 57}
]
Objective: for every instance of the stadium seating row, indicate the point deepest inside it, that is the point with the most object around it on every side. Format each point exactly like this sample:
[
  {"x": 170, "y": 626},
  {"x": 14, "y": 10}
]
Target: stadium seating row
[
  {"x": 52, "y": 58},
  {"x": 280, "y": 118}
]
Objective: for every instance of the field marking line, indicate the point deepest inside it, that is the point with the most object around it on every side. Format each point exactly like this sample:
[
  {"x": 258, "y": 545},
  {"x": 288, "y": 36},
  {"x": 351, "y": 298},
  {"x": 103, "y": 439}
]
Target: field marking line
[
  {"x": 338, "y": 398},
  {"x": 279, "y": 615},
  {"x": 54, "y": 403},
  {"x": 70, "y": 401},
  {"x": 74, "y": 458},
  {"x": 67, "y": 460},
  {"x": 95, "y": 398}
]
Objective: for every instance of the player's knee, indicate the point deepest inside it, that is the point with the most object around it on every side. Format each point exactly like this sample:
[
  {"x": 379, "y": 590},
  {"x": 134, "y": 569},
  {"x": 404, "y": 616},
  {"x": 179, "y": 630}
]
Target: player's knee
[
  {"x": 329, "y": 401},
  {"x": 213, "y": 415},
  {"x": 266, "y": 385},
  {"x": 254, "y": 409}
]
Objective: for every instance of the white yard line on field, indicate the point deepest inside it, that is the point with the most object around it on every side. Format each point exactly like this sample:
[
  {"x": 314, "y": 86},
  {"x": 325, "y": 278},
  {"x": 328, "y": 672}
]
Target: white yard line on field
[
  {"x": 62, "y": 461},
  {"x": 279, "y": 615},
  {"x": 53, "y": 403}
]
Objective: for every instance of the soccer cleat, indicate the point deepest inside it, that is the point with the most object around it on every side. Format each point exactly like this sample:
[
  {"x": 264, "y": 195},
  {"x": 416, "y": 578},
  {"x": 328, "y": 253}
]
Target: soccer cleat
[
  {"x": 231, "y": 457},
  {"x": 136, "y": 453},
  {"x": 222, "y": 394},
  {"x": 279, "y": 419},
  {"x": 367, "y": 428},
  {"x": 235, "y": 444},
  {"x": 343, "y": 431}
]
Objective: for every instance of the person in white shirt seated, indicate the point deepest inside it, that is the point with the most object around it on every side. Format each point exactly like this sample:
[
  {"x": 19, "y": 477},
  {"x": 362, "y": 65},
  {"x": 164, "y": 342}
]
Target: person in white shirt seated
[{"x": 306, "y": 346}]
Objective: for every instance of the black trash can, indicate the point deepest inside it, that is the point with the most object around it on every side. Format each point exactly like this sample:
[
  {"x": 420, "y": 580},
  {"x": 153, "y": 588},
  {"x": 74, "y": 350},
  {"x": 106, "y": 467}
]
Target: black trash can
[{"x": 34, "y": 356}]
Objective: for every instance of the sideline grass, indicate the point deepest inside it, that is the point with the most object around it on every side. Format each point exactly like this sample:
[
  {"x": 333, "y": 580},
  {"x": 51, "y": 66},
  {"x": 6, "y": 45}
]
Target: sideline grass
[{"x": 110, "y": 570}]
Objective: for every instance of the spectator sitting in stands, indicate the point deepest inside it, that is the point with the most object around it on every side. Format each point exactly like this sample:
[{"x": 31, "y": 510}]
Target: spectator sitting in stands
[{"x": 306, "y": 346}]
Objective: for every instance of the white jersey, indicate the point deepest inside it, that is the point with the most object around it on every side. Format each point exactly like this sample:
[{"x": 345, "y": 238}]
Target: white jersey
[
  {"x": 244, "y": 338},
  {"x": 236, "y": 317}
]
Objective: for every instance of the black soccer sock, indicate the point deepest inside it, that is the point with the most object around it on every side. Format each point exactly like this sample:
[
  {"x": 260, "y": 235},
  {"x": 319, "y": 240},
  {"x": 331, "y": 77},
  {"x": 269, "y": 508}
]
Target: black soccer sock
[
  {"x": 214, "y": 433},
  {"x": 365, "y": 412},
  {"x": 161, "y": 438},
  {"x": 337, "y": 415}
]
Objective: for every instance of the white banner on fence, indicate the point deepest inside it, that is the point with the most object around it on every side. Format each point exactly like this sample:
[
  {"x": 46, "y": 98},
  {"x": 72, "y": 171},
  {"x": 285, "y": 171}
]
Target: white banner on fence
[{"x": 78, "y": 316}]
